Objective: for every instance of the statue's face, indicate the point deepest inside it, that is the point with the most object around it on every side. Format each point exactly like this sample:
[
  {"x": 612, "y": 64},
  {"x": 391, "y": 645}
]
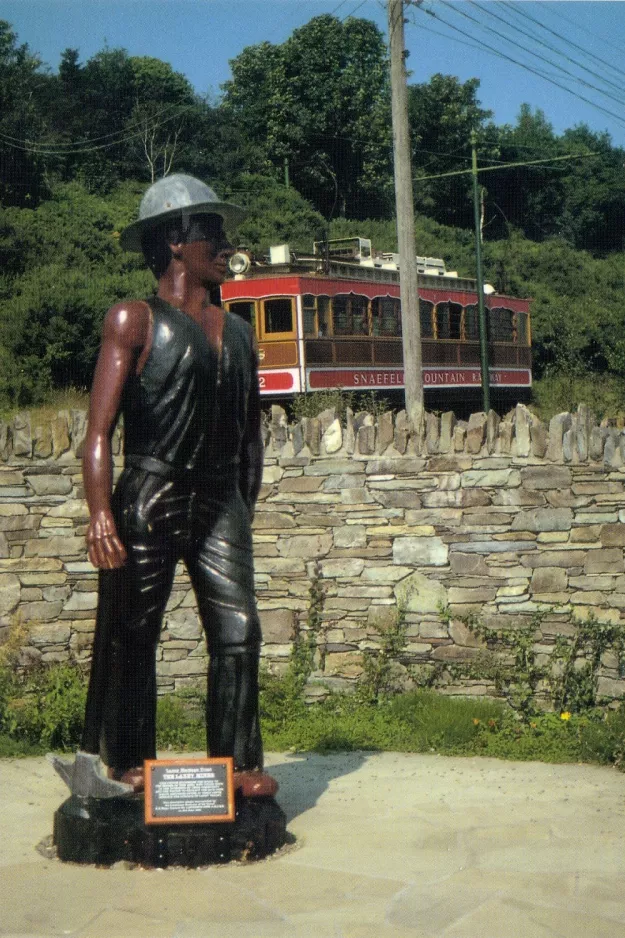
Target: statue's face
[{"x": 207, "y": 250}]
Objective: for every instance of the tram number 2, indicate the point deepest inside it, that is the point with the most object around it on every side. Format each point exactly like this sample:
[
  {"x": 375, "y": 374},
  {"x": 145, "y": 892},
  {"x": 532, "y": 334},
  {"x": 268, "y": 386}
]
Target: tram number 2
[{"x": 276, "y": 381}]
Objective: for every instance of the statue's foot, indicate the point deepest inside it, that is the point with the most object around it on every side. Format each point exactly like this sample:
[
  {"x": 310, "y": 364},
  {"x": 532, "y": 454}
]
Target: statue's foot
[
  {"x": 255, "y": 784},
  {"x": 133, "y": 777}
]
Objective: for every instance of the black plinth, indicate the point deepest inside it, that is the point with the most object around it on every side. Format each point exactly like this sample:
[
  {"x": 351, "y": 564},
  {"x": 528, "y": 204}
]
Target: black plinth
[{"x": 107, "y": 830}]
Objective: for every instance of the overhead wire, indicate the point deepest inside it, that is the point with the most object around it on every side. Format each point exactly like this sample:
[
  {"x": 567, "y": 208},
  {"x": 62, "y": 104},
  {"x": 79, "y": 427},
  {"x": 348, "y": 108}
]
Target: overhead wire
[
  {"x": 524, "y": 65},
  {"x": 116, "y": 133},
  {"x": 488, "y": 29},
  {"x": 552, "y": 48},
  {"x": 514, "y": 8},
  {"x": 361, "y": 4},
  {"x": 487, "y": 169},
  {"x": 41, "y": 151},
  {"x": 579, "y": 28}
]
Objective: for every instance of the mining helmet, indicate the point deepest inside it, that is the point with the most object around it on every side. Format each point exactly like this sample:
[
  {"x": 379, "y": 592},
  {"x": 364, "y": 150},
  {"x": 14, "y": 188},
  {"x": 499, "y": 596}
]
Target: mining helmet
[{"x": 173, "y": 196}]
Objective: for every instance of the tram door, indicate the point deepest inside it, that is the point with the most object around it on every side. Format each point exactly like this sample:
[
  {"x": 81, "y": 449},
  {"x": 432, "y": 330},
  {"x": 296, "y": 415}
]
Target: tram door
[{"x": 277, "y": 332}]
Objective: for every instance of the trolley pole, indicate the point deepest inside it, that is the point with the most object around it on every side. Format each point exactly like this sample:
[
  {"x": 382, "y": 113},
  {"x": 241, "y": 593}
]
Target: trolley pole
[
  {"x": 411, "y": 325},
  {"x": 480, "y": 281}
]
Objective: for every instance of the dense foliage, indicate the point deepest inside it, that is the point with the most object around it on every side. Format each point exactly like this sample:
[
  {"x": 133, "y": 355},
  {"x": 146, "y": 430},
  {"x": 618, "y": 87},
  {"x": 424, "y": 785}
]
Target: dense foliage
[{"x": 302, "y": 138}]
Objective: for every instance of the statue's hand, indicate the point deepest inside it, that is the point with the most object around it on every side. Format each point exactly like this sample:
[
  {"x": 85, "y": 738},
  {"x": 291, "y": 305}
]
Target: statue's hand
[{"x": 106, "y": 551}]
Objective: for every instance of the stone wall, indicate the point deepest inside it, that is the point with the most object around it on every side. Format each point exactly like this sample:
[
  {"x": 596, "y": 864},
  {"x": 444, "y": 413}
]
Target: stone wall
[{"x": 507, "y": 517}]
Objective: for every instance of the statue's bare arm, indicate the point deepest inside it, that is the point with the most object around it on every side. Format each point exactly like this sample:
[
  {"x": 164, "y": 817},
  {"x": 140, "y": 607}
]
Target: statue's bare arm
[{"x": 125, "y": 336}]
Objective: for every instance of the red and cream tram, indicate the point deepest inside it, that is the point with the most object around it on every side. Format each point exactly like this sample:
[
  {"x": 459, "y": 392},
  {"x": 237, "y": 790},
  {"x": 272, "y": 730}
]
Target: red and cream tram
[{"x": 332, "y": 320}]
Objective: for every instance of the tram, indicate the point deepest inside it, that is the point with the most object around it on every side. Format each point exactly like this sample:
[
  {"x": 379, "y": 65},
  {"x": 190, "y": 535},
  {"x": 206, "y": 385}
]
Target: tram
[{"x": 332, "y": 319}]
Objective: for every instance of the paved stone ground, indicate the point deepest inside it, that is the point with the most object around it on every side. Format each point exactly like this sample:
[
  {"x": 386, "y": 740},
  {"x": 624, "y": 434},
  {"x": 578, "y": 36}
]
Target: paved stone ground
[{"x": 408, "y": 846}]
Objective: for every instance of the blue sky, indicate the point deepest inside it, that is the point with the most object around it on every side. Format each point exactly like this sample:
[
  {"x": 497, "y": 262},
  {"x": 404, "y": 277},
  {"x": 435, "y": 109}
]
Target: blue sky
[{"x": 199, "y": 37}]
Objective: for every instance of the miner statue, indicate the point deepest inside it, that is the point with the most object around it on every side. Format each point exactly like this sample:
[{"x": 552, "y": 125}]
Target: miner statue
[{"x": 182, "y": 373}]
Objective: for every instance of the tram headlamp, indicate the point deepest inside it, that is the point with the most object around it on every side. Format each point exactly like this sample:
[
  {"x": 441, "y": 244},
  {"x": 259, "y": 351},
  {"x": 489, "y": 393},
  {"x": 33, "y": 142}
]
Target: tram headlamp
[{"x": 239, "y": 263}]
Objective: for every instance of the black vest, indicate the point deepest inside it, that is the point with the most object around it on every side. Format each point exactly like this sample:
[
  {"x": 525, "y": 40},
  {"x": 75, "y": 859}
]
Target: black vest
[{"x": 186, "y": 408}]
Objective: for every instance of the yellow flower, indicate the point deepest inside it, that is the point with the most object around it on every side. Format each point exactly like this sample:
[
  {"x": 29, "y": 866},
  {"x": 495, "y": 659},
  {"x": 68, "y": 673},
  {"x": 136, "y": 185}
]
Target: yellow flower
[
  {"x": 565, "y": 716},
  {"x": 476, "y": 722}
]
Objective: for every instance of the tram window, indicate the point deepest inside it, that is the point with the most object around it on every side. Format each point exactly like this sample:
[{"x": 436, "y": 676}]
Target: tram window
[
  {"x": 471, "y": 323},
  {"x": 455, "y": 318},
  {"x": 245, "y": 309},
  {"x": 310, "y": 314},
  {"x": 350, "y": 315},
  {"x": 341, "y": 316},
  {"x": 323, "y": 316},
  {"x": 522, "y": 328},
  {"x": 442, "y": 321},
  {"x": 425, "y": 314},
  {"x": 386, "y": 316},
  {"x": 501, "y": 325},
  {"x": 360, "y": 313},
  {"x": 278, "y": 316}
]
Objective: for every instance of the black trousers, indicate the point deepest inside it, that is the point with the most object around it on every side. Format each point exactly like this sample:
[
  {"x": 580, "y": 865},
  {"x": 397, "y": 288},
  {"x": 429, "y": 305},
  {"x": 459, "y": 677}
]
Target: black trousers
[{"x": 206, "y": 524}]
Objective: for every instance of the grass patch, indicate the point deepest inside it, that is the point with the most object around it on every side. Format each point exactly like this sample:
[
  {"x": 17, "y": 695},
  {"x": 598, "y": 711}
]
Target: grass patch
[
  {"x": 426, "y": 721},
  {"x": 54, "y": 401},
  {"x": 11, "y": 748},
  {"x": 422, "y": 721},
  {"x": 43, "y": 710}
]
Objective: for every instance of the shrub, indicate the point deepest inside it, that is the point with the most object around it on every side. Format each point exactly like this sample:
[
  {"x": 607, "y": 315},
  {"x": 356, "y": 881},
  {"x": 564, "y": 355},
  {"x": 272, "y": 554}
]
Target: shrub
[
  {"x": 180, "y": 722},
  {"x": 45, "y": 706}
]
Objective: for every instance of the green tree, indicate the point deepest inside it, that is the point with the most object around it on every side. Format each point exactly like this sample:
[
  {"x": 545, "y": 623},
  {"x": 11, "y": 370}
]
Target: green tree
[
  {"x": 22, "y": 79},
  {"x": 63, "y": 269},
  {"x": 320, "y": 103},
  {"x": 276, "y": 215},
  {"x": 593, "y": 202},
  {"x": 527, "y": 197},
  {"x": 442, "y": 114}
]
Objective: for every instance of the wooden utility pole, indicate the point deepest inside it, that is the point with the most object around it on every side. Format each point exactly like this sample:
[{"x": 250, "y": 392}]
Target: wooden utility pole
[
  {"x": 411, "y": 324},
  {"x": 480, "y": 281}
]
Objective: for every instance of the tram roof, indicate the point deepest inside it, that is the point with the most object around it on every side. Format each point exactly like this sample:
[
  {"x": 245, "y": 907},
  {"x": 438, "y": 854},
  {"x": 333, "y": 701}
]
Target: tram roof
[{"x": 362, "y": 281}]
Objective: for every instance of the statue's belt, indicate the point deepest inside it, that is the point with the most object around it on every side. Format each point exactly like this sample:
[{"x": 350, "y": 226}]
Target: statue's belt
[{"x": 168, "y": 471}]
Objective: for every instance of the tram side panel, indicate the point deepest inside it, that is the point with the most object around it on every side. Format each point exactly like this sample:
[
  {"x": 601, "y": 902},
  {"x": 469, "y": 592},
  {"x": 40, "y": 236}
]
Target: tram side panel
[{"x": 352, "y": 341}]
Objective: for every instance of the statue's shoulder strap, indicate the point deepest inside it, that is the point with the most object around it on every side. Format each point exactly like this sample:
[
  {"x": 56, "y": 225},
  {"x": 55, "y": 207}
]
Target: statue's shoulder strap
[{"x": 145, "y": 351}]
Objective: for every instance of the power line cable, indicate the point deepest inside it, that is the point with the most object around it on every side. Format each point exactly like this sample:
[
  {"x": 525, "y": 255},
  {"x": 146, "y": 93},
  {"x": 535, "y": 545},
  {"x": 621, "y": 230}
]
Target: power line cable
[
  {"x": 604, "y": 39},
  {"x": 489, "y": 169},
  {"x": 523, "y": 48},
  {"x": 115, "y": 133},
  {"x": 514, "y": 7},
  {"x": 525, "y": 66},
  {"x": 464, "y": 42},
  {"x": 557, "y": 51},
  {"x": 361, "y": 4},
  {"x": 102, "y": 146},
  {"x": 489, "y": 51}
]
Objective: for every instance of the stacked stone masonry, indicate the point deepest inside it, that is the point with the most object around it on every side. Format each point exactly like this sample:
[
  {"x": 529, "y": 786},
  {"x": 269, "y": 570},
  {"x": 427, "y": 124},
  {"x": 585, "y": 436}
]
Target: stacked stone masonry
[{"x": 506, "y": 517}]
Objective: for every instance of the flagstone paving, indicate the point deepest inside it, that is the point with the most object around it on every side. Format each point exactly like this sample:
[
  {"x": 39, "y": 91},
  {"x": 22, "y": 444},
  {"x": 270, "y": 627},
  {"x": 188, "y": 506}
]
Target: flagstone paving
[{"x": 387, "y": 845}]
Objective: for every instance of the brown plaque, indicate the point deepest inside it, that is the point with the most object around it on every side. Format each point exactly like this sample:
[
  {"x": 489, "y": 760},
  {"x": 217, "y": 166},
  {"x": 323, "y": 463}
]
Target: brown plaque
[{"x": 188, "y": 791}]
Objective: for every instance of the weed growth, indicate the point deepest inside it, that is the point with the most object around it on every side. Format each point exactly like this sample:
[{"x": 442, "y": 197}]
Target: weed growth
[
  {"x": 561, "y": 391},
  {"x": 314, "y": 403},
  {"x": 283, "y": 698},
  {"x": 567, "y": 680},
  {"x": 381, "y": 673}
]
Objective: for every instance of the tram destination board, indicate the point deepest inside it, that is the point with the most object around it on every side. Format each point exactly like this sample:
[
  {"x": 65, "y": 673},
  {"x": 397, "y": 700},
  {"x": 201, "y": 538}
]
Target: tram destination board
[{"x": 188, "y": 791}]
